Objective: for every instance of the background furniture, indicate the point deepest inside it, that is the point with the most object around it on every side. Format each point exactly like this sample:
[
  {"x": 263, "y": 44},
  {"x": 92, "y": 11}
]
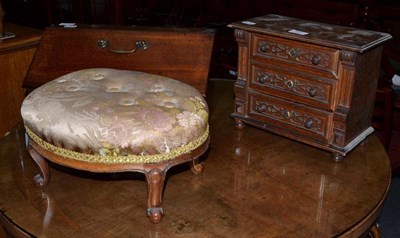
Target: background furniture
[
  {"x": 206, "y": 13},
  {"x": 255, "y": 184},
  {"x": 15, "y": 57}
]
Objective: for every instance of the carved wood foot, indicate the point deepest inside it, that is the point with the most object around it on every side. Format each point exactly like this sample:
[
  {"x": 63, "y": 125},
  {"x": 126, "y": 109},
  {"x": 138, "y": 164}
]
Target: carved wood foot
[
  {"x": 43, "y": 177},
  {"x": 337, "y": 157},
  {"x": 155, "y": 214},
  {"x": 155, "y": 185},
  {"x": 197, "y": 167},
  {"x": 239, "y": 124}
]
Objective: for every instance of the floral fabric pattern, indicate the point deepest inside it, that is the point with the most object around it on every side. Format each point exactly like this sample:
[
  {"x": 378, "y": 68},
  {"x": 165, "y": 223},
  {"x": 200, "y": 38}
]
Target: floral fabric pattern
[{"x": 116, "y": 112}]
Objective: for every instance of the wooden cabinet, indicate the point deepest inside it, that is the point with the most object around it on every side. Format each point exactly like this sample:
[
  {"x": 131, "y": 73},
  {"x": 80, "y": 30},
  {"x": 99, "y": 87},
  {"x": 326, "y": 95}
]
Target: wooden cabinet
[
  {"x": 309, "y": 81},
  {"x": 15, "y": 57}
]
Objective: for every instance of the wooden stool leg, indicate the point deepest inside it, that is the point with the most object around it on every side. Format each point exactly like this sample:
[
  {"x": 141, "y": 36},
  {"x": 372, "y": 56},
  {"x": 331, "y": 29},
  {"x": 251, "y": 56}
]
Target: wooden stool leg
[
  {"x": 155, "y": 185},
  {"x": 196, "y": 166},
  {"x": 43, "y": 177}
]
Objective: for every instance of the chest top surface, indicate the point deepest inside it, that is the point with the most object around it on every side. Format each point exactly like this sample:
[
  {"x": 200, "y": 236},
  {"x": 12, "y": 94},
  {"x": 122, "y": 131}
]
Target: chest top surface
[{"x": 341, "y": 37}]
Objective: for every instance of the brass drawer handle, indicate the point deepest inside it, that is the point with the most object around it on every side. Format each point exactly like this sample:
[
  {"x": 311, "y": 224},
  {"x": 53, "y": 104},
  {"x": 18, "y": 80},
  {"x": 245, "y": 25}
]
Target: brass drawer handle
[
  {"x": 316, "y": 59},
  {"x": 262, "y": 78},
  {"x": 309, "y": 123},
  {"x": 139, "y": 45},
  {"x": 262, "y": 47}
]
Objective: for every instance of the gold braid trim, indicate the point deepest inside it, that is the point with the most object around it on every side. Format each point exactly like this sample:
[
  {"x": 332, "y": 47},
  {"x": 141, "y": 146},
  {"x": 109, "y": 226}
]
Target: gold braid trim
[{"x": 119, "y": 159}]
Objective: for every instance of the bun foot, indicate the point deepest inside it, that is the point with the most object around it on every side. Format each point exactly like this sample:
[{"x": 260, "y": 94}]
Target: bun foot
[
  {"x": 155, "y": 214},
  {"x": 239, "y": 124},
  {"x": 337, "y": 157}
]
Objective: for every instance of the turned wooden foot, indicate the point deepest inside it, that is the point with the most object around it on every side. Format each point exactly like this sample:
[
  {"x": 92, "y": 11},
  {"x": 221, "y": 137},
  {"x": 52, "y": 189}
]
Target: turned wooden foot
[
  {"x": 155, "y": 185},
  {"x": 337, "y": 157},
  {"x": 239, "y": 124},
  {"x": 155, "y": 214},
  {"x": 41, "y": 179},
  {"x": 197, "y": 167}
]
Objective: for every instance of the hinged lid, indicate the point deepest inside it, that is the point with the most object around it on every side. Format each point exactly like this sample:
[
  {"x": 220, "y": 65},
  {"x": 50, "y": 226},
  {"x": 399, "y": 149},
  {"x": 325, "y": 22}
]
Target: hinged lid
[
  {"x": 180, "y": 53},
  {"x": 341, "y": 37}
]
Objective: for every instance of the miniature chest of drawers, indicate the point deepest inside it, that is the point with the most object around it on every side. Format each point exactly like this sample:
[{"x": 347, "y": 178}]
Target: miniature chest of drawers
[{"x": 308, "y": 81}]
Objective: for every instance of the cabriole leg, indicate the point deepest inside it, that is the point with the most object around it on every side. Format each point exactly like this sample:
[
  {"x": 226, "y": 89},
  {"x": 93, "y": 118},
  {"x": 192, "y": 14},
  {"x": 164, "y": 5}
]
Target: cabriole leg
[{"x": 155, "y": 185}]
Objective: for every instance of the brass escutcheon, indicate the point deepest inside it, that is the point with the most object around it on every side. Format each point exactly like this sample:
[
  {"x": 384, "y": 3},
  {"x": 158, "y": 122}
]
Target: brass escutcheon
[
  {"x": 290, "y": 83},
  {"x": 286, "y": 114}
]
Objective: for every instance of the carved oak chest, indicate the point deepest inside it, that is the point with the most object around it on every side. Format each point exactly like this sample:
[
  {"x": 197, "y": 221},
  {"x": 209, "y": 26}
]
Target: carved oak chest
[{"x": 308, "y": 81}]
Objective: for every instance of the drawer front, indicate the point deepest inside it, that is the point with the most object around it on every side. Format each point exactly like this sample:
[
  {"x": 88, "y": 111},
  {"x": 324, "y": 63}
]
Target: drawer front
[
  {"x": 288, "y": 116},
  {"x": 308, "y": 89},
  {"x": 300, "y": 54}
]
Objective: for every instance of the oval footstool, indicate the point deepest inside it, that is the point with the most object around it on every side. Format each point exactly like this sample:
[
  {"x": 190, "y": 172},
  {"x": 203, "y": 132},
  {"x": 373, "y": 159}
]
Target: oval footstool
[{"x": 108, "y": 120}]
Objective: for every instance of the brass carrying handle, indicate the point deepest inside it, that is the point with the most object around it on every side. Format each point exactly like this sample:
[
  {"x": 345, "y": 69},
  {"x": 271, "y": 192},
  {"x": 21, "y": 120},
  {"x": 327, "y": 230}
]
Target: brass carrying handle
[{"x": 139, "y": 45}]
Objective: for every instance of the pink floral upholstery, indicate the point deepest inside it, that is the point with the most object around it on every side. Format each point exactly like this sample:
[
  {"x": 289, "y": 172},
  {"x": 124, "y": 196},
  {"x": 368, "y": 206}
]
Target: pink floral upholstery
[{"x": 116, "y": 113}]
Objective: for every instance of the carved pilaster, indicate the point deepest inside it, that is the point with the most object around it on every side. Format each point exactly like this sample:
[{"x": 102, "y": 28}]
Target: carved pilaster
[
  {"x": 243, "y": 52},
  {"x": 240, "y": 89},
  {"x": 347, "y": 71}
]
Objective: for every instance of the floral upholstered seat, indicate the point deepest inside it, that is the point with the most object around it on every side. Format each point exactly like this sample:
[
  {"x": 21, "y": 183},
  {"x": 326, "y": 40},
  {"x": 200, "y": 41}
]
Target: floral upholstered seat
[
  {"x": 108, "y": 120},
  {"x": 116, "y": 116}
]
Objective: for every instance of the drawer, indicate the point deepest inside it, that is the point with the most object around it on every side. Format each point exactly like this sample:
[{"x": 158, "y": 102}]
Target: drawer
[
  {"x": 312, "y": 90},
  {"x": 291, "y": 117},
  {"x": 298, "y": 54}
]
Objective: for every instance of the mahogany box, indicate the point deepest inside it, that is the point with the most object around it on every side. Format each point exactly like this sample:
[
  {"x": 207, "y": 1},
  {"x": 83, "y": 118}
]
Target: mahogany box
[{"x": 179, "y": 53}]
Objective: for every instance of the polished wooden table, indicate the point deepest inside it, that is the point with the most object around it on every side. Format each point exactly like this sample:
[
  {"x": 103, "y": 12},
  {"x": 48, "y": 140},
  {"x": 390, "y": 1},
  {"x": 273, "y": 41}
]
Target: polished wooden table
[{"x": 255, "y": 184}]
